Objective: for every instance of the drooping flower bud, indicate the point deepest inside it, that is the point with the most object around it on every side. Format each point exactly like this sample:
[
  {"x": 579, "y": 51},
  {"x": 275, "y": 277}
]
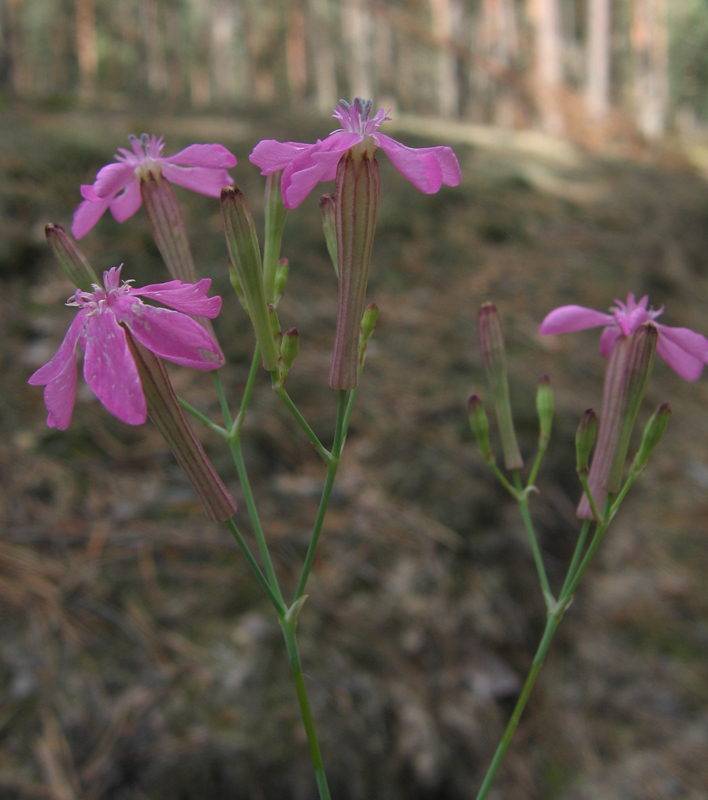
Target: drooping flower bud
[
  {"x": 70, "y": 258},
  {"x": 281, "y": 277},
  {"x": 356, "y": 210},
  {"x": 544, "y": 408},
  {"x": 244, "y": 250},
  {"x": 275, "y": 215},
  {"x": 584, "y": 440},
  {"x": 626, "y": 377},
  {"x": 480, "y": 426},
  {"x": 653, "y": 432},
  {"x": 169, "y": 418},
  {"x": 328, "y": 226},
  {"x": 491, "y": 345},
  {"x": 289, "y": 348}
]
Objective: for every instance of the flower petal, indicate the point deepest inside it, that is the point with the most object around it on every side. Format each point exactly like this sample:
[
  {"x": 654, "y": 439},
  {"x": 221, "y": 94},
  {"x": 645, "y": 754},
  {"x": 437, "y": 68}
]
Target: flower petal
[
  {"x": 190, "y": 298},
  {"x": 87, "y": 215},
  {"x": 420, "y": 166},
  {"x": 211, "y": 156},
  {"x": 112, "y": 178},
  {"x": 127, "y": 203},
  {"x": 317, "y": 163},
  {"x": 271, "y": 155},
  {"x": 607, "y": 341},
  {"x": 199, "y": 179},
  {"x": 110, "y": 371},
  {"x": 60, "y": 394},
  {"x": 567, "y": 319},
  {"x": 168, "y": 334},
  {"x": 684, "y": 350},
  {"x": 63, "y": 355}
]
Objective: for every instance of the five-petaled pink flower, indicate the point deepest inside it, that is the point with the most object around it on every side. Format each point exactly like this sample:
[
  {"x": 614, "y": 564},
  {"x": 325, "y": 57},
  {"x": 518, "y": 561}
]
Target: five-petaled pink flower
[
  {"x": 200, "y": 167},
  {"x": 109, "y": 368},
  {"x": 305, "y": 165},
  {"x": 684, "y": 350}
]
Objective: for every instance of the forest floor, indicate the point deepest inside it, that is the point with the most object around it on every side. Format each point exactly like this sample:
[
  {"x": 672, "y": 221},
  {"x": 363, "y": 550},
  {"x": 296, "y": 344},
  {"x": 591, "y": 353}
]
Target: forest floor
[{"x": 138, "y": 658}]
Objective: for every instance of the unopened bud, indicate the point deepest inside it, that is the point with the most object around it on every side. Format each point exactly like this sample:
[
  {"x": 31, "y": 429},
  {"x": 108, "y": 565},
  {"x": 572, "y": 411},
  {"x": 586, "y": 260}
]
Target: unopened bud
[
  {"x": 70, "y": 258},
  {"x": 544, "y": 408},
  {"x": 328, "y": 226},
  {"x": 585, "y": 439},
  {"x": 275, "y": 215},
  {"x": 244, "y": 250},
  {"x": 274, "y": 321},
  {"x": 491, "y": 345},
  {"x": 652, "y": 435},
  {"x": 289, "y": 348},
  {"x": 281, "y": 277},
  {"x": 480, "y": 426},
  {"x": 368, "y": 321}
]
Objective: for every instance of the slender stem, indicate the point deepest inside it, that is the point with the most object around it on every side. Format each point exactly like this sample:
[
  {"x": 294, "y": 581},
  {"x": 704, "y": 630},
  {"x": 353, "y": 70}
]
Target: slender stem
[
  {"x": 326, "y": 494},
  {"x": 593, "y": 506},
  {"x": 542, "y": 447},
  {"x": 302, "y": 422},
  {"x": 502, "y": 478},
  {"x": 222, "y": 398},
  {"x": 348, "y": 412},
  {"x": 235, "y": 447},
  {"x": 594, "y": 544},
  {"x": 241, "y": 416},
  {"x": 253, "y": 564},
  {"x": 202, "y": 418},
  {"x": 522, "y": 499},
  {"x": 633, "y": 475},
  {"x": 582, "y": 536},
  {"x": 288, "y": 627},
  {"x": 551, "y": 625}
]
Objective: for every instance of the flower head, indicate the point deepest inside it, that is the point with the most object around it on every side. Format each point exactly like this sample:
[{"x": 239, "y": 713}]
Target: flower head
[
  {"x": 684, "y": 350},
  {"x": 305, "y": 165},
  {"x": 109, "y": 367},
  {"x": 200, "y": 167}
]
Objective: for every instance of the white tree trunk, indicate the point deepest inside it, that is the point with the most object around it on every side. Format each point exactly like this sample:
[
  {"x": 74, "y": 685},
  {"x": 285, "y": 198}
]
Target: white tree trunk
[
  {"x": 650, "y": 46},
  {"x": 598, "y": 59}
]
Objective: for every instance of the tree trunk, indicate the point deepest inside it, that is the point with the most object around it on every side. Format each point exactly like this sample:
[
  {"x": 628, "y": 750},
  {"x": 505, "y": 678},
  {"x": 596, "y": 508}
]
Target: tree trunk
[
  {"x": 357, "y": 34},
  {"x": 650, "y": 51},
  {"x": 448, "y": 94},
  {"x": 598, "y": 59},
  {"x": 548, "y": 65},
  {"x": 323, "y": 55},
  {"x": 87, "y": 50}
]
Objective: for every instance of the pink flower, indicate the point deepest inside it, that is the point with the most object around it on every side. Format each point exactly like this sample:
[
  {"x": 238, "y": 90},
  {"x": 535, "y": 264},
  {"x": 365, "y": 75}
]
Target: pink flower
[
  {"x": 200, "y": 167},
  {"x": 684, "y": 350},
  {"x": 305, "y": 165},
  {"x": 109, "y": 368}
]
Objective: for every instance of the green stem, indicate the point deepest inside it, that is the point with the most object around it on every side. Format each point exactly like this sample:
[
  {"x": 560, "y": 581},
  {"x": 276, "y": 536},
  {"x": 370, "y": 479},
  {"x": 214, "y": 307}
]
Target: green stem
[
  {"x": 202, "y": 418},
  {"x": 302, "y": 422},
  {"x": 522, "y": 499},
  {"x": 288, "y": 627},
  {"x": 241, "y": 416},
  {"x": 576, "y": 556},
  {"x": 253, "y": 564},
  {"x": 222, "y": 398},
  {"x": 594, "y": 544},
  {"x": 542, "y": 447},
  {"x": 551, "y": 625},
  {"x": 502, "y": 478},
  {"x": 235, "y": 447},
  {"x": 332, "y": 467},
  {"x": 593, "y": 506}
]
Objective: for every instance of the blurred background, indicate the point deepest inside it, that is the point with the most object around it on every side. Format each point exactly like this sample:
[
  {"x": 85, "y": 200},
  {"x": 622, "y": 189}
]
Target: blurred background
[{"x": 137, "y": 656}]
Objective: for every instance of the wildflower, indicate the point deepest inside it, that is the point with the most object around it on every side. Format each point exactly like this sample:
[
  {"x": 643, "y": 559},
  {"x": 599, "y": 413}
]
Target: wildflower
[
  {"x": 100, "y": 329},
  {"x": 684, "y": 350},
  {"x": 200, "y": 167},
  {"x": 305, "y": 165}
]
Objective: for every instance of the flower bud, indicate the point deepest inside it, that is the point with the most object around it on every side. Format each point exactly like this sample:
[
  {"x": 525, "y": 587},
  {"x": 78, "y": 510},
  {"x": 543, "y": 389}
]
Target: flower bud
[
  {"x": 368, "y": 324},
  {"x": 70, "y": 258},
  {"x": 544, "y": 408},
  {"x": 480, "y": 426},
  {"x": 169, "y": 418},
  {"x": 275, "y": 215},
  {"x": 491, "y": 345},
  {"x": 652, "y": 435},
  {"x": 242, "y": 243},
  {"x": 585, "y": 439},
  {"x": 281, "y": 277},
  {"x": 356, "y": 209},
  {"x": 289, "y": 348},
  {"x": 328, "y": 226}
]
